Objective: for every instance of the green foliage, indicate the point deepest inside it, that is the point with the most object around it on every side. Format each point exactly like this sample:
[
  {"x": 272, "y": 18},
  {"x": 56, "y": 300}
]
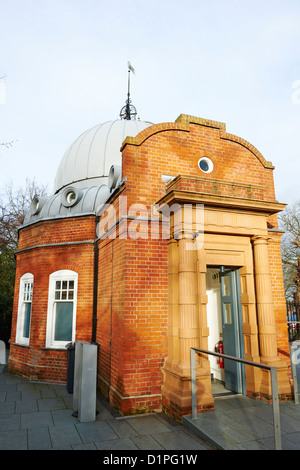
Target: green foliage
[{"x": 7, "y": 279}]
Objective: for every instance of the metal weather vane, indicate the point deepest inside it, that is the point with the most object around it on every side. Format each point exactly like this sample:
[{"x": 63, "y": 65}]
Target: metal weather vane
[{"x": 128, "y": 111}]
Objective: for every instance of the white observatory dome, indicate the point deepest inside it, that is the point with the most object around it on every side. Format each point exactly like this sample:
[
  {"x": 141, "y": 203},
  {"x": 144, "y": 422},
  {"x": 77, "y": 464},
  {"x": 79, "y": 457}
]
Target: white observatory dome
[{"x": 88, "y": 160}]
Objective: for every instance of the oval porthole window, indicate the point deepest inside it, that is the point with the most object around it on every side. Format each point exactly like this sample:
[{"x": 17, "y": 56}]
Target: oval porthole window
[
  {"x": 206, "y": 165},
  {"x": 70, "y": 196},
  {"x": 37, "y": 204}
]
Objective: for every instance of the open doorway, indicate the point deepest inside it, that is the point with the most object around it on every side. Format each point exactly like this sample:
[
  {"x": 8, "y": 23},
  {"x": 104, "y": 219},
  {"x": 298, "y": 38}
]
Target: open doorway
[{"x": 225, "y": 329}]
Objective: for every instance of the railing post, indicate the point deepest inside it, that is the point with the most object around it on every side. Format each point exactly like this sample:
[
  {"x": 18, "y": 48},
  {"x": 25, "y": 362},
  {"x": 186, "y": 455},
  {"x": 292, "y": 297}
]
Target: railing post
[
  {"x": 294, "y": 373},
  {"x": 274, "y": 386},
  {"x": 276, "y": 409},
  {"x": 193, "y": 384}
]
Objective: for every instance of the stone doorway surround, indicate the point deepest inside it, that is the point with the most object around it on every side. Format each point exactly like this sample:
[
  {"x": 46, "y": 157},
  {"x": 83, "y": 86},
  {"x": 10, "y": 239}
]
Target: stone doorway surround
[{"x": 235, "y": 233}]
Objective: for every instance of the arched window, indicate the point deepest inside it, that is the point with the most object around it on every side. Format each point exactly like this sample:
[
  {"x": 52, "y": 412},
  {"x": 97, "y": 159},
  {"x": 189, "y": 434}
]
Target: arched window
[
  {"x": 24, "y": 309},
  {"x": 61, "y": 317}
]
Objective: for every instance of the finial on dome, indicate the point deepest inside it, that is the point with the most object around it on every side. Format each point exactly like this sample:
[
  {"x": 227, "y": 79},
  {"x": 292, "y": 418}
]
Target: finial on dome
[{"x": 128, "y": 111}]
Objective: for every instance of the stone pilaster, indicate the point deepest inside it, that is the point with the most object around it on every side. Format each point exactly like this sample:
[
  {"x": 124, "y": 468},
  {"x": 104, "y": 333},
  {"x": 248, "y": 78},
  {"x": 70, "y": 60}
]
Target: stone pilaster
[
  {"x": 264, "y": 301},
  {"x": 266, "y": 319},
  {"x": 185, "y": 327}
]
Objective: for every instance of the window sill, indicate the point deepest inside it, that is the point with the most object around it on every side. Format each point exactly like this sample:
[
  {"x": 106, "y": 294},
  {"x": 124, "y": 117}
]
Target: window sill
[
  {"x": 54, "y": 348},
  {"x": 21, "y": 345}
]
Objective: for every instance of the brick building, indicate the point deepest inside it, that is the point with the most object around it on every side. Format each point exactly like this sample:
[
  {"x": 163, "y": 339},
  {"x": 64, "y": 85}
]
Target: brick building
[{"x": 157, "y": 238}]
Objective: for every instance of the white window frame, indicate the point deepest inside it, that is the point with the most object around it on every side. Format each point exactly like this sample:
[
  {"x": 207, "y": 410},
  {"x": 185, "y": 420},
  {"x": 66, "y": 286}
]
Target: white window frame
[
  {"x": 24, "y": 298},
  {"x": 62, "y": 275}
]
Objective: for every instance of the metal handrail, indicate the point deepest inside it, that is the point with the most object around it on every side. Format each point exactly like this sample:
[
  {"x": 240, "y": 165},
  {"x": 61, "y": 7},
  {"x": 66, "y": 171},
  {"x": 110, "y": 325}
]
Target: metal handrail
[{"x": 274, "y": 387}]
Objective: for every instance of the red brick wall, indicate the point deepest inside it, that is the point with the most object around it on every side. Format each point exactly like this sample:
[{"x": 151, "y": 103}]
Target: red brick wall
[
  {"x": 132, "y": 313},
  {"x": 278, "y": 294},
  {"x": 175, "y": 149},
  {"x": 35, "y": 361},
  {"x": 74, "y": 229}
]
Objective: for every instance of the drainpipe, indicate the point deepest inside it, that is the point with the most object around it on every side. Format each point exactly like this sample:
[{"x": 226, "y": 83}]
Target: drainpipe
[
  {"x": 111, "y": 304},
  {"x": 95, "y": 296}
]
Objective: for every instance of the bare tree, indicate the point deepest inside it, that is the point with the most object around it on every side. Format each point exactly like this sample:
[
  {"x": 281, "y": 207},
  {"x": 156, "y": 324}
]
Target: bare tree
[
  {"x": 290, "y": 249},
  {"x": 13, "y": 203},
  {"x": 7, "y": 144}
]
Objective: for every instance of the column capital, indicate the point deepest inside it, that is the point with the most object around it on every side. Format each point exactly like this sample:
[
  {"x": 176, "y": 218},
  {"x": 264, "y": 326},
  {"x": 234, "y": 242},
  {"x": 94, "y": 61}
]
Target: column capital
[{"x": 260, "y": 239}]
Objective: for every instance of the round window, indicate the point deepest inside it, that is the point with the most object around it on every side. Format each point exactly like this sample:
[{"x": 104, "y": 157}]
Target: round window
[
  {"x": 70, "y": 196},
  {"x": 35, "y": 205},
  {"x": 206, "y": 165}
]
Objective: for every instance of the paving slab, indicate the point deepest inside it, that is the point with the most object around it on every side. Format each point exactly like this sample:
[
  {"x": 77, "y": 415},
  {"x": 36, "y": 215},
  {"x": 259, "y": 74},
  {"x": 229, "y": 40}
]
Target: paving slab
[
  {"x": 95, "y": 431},
  {"x": 26, "y": 406},
  {"x": 9, "y": 422},
  {"x": 147, "y": 442},
  {"x": 13, "y": 440},
  {"x": 148, "y": 425},
  {"x": 122, "y": 428},
  {"x": 39, "y": 440},
  {"x": 64, "y": 435},
  {"x": 120, "y": 444},
  {"x": 36, "y": 419},
  {"x": 178, "y": 440},
  {"x": 51, "y": 404}
]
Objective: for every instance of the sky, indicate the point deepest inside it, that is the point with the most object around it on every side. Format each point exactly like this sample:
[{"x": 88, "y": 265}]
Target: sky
[{"x": 63, "y": 69}]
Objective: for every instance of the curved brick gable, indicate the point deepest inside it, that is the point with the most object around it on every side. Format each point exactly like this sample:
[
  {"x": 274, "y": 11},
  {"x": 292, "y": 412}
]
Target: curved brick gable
[{"x": 183, "y": 122}]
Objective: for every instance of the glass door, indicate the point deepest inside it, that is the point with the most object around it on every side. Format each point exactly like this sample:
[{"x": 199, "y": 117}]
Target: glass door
[{"x": 230, "y": 324}]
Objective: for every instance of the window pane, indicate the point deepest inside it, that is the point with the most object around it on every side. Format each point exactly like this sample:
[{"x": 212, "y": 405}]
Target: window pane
[
  {"x": 71, "y": 295},
  {"x": 57, "y": 295},
  {"x": 57, "y": 285},
  {"x": 64, "y": 295},
  {"x": 27, "y": 293},
  {"x": 65, "y": 284},
  {"x": 63, "y": 321},
  {"x": 26, "y": 325},
  {"x": 228, "y": 318},
  {"x": 71, "y": 285},
  {"x": 31, "y": 289},
  {"x": 226, "y": 288}
]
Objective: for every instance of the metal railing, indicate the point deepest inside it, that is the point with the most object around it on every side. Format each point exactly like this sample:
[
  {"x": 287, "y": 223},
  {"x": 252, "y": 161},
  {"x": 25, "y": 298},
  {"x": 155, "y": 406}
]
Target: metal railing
[
  {"x": 274, "y": 387},
  {"x": 294, "y": 350}
]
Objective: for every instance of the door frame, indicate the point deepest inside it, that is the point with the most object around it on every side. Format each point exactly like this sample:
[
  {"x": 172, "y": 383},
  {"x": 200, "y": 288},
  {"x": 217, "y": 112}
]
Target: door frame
[{"x": 237, "y": 311}]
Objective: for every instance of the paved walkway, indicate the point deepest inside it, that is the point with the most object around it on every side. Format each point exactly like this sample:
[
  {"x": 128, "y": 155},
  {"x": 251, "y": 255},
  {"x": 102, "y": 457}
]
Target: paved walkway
[
  {"x": 38, "y": 416},
  {"x": 240, "y": 423}
]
